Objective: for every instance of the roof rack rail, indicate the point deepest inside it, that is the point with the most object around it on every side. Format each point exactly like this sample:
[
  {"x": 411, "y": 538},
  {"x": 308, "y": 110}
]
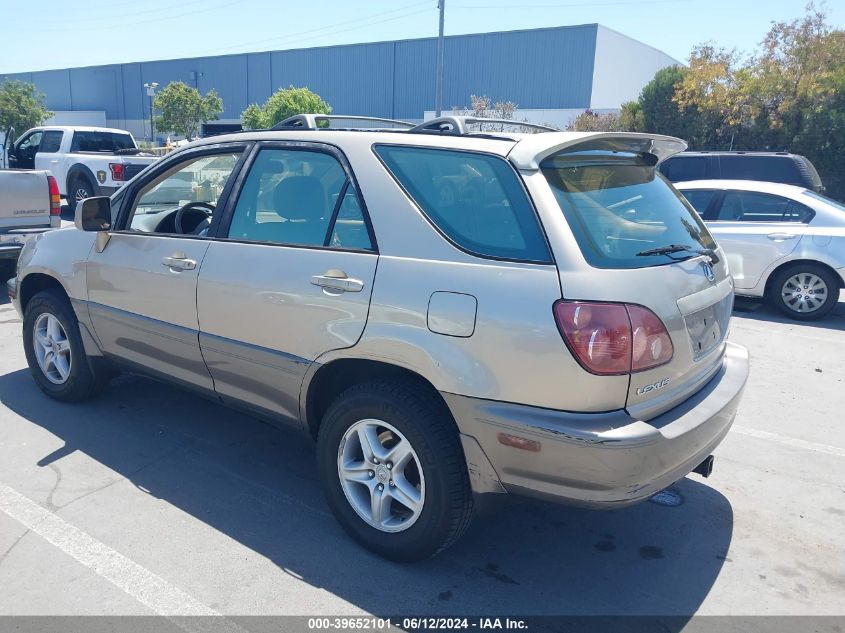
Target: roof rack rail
[
  {"x": 457, "y": 125},
  {"x": 310, "y": 121}
]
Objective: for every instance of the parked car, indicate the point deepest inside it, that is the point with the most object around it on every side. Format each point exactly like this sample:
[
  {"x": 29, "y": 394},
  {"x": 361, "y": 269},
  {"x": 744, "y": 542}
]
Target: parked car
[
  {"x": 29, "y": 204},
  {"x": 542, "y": 336},
  {"x": 86, "y": 161},
  {"x": 782, "y": 167},
  {"x": 783, "y": 243}
]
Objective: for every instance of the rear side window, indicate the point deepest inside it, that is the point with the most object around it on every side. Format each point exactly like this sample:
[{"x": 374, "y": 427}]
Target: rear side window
[
  {"x": 620, "y": 208},
  {"x": 683, "y": 168},
  {"x": 764, "y": 168},
  {"x": 699, "y": 198},
  {"x": 51, "y": 142},
  {"x": 752, "y": 206},
  {"x": 100, "y": 142},
  {"x": 476, "y": 200}
]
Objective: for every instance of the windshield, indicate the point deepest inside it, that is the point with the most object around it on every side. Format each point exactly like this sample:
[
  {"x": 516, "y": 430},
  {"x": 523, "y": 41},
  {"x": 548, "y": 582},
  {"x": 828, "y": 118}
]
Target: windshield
[{"x": 619, "y": 207}]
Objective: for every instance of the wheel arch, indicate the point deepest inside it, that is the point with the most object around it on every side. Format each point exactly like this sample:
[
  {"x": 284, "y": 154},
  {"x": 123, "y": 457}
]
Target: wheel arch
[
  {"x": 78, "y": 169},
  {"x": 322, "y": 386},
  {"x": 797, "y": 262},
  {"x": 37, "y": 282}
]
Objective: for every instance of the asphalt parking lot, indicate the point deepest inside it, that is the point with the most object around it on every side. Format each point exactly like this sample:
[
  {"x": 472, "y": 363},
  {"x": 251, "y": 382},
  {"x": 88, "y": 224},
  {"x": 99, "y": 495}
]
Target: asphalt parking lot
[{"x": 150, "y": 499}]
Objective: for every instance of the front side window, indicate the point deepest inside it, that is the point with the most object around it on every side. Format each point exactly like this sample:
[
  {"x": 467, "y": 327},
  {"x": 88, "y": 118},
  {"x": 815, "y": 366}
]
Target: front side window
[
  {"x": 476, "y": 200},
  {"x": 30, "y": 145},
  {"x": 183, "y": 198},
  {"x": 752, "y": 206},
  {"x": 299, "y": 198},
  {"x": 619, "y": 208}
]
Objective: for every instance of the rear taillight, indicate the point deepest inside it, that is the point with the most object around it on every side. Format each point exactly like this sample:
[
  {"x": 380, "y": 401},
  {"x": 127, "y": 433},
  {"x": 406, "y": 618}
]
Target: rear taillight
[
  {"x": 118, "y": 171},
  {"x": 55, "y": 196},
  {"x": 613, "y": 338}
]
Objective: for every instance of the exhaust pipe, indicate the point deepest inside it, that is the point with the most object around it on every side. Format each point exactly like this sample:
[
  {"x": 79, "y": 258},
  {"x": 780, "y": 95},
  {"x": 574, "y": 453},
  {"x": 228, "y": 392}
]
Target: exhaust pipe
[{"x": 704, "y": 468}]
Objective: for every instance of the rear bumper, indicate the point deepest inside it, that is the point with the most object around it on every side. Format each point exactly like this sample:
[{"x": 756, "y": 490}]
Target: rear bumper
[
  {"x": 841, "y": 272},
  {"x": 600, "y": 459}
]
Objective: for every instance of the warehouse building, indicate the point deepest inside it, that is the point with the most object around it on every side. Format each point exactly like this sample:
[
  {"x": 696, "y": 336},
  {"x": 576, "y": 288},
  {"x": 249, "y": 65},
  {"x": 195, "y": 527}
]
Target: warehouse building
[{"x": 552, "y": 74}]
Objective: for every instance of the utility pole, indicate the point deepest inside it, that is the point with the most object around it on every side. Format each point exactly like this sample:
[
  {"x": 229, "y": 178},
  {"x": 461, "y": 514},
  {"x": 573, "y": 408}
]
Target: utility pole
[
  {"x": 438, "y": 98},
  {"x": 151, "y": 91}
]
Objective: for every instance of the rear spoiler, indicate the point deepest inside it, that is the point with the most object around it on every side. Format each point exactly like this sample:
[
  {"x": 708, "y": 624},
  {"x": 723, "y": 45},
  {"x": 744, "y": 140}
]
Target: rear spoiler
[{"x": 530, "y": 151}]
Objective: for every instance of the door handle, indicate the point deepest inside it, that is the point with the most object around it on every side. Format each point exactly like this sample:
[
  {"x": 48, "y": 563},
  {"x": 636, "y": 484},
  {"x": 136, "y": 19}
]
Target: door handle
[
  {"x": 779, "y": 237},
  {"x": 177, "y": 262},
  {"x": 337, "y": 280}
]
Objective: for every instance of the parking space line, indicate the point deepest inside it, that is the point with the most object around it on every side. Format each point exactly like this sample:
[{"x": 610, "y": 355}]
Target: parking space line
[
  {"x": 790, "y": 441},
  {"x": 146, "y": 587}
]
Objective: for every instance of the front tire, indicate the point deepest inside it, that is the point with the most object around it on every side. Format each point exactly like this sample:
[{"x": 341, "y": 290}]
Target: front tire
[
  {"x": 805, "y": 292},
  {"x": 393, "y": 470},
  {"x": 54, "y": 350}
]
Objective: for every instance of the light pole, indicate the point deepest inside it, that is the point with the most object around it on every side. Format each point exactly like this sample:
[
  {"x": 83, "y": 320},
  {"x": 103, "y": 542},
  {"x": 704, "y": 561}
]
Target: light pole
[
  {"x": 151, "y": 91},
  {"x": 438, "y": 98}
]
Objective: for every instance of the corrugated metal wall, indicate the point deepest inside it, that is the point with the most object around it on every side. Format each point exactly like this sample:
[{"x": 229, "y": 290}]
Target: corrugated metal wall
[{"x": 542, "y": 68}]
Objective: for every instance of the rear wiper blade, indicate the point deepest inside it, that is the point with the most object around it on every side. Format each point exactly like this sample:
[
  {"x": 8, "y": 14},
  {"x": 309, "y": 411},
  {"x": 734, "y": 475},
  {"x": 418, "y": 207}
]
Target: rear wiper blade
[{"x": 671, "y": 249}]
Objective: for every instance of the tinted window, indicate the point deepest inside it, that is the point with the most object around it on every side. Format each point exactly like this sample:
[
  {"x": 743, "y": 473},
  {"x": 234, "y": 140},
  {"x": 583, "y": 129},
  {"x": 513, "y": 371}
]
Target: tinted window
[
  {"x": 200, "y": 179},
  {"x": 293, "y": 196},
  {"x": 30, "y": 143},
  {"x": 685, "y": 168},
  {"x": 476, "y": 200},
  {"x": 764, "y": 168},
  {"x": 751, "y": 206},
  {"x": 51, "y": 142},
  {"x": 100, "y": 142},
  {"x": 699, "y": 198},
  {"x": 797, "y": 212},
  {"x": 621, "y": 207}
]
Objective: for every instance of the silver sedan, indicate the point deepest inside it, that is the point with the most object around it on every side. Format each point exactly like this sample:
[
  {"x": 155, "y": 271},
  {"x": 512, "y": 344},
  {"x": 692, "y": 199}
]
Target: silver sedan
[{"x": 783, "y": 243}]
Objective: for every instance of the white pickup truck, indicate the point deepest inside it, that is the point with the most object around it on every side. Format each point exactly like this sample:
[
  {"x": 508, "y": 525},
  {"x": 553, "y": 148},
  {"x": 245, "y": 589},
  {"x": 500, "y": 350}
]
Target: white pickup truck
[
  {"x": 29, "y": 204},
  {"x": 85, "y": 161}
]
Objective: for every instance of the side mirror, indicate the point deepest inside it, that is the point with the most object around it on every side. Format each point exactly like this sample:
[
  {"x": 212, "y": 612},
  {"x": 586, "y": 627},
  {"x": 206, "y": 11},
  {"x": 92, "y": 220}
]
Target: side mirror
[{"x": 93, "y": 214}]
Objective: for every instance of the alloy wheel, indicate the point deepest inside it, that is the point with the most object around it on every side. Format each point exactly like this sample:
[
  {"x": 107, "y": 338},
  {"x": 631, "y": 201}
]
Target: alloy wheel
[
  {"x": 52, "y": 348},
  {"x": 381, "y": 475}
]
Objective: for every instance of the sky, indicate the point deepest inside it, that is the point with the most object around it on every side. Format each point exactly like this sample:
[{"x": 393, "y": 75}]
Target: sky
[{"x": 60, "y": 34}]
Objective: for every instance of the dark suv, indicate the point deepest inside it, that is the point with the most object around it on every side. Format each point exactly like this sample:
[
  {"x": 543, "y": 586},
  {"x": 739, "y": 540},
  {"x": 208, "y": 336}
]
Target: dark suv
[{"x": 782, "y": 167}]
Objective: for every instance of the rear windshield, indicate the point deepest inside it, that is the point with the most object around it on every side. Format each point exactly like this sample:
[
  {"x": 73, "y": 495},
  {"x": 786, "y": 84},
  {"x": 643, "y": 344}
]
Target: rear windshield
[
  {"x": 475, "y": 200},
  {"x": 100, "y": 142},
  {"x": 619, "y": 207}
]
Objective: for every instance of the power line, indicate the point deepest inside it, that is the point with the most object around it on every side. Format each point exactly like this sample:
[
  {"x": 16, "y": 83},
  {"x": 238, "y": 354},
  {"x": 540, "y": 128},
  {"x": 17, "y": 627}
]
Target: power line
[
  {"x": 589, "y": 4},
  {"x": 331, "y": 29}
]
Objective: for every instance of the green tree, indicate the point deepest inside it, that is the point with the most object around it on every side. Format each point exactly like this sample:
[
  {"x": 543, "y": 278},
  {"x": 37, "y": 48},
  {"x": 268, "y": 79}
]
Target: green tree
[
  {"x": 183, "y": 109},
  {"x": 631, "y": 117},
  {"x": 282, "y": 104},
  {"x": 21, "y": 106}
]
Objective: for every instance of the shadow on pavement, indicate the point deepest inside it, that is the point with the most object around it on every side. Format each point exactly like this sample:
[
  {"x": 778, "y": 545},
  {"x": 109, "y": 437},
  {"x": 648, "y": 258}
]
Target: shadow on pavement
[
  {"x": 759, "y": 310},
  {"x": 257, "y": 485}
]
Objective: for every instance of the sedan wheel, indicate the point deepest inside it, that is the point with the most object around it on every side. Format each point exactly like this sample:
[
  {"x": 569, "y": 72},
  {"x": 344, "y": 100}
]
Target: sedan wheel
[
  {"x": 381, "y": 475},
  {"x": 52, "y": 348},
  {"x": 805, "y": 291}
]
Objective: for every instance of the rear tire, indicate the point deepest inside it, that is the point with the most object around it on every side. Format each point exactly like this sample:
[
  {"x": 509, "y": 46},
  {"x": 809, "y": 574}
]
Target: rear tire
[
  {"x": 79, "y": 188},
  {"x": 404, "y": 419},
  {"x": 805, "y": 292},
  {"x": 54, "y": 350}
]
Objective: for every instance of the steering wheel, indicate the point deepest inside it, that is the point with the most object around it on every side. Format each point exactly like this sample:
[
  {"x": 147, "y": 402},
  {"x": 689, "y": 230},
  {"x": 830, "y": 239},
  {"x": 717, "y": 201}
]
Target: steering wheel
[{"x": 206, "y": 208}]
